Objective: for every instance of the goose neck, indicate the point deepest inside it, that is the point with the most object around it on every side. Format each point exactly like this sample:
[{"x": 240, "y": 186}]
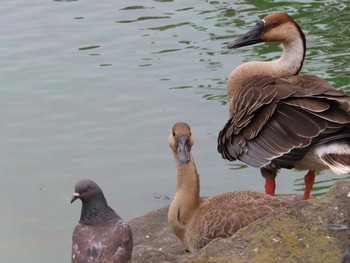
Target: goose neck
[{"x": 289, "y": 64}]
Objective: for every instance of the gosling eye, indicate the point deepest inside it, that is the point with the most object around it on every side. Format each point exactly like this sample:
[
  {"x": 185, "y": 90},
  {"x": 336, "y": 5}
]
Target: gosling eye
[
  {"x": 274, "y": 24},
  {"x": 174, "y": 134}
]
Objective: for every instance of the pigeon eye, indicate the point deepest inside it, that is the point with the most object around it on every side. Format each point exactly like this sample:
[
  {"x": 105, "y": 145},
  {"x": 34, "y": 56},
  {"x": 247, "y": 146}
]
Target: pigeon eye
[{"x": 87, "y": 189}]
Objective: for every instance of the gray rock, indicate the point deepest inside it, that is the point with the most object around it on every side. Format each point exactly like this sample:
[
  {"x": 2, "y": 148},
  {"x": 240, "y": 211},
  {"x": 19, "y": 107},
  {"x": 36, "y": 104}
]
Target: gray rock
[{"x": 301, "y": 233}]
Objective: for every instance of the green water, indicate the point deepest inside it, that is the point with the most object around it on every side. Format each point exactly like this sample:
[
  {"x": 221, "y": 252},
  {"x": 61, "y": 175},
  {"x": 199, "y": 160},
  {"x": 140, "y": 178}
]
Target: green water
[{"x": 90, "y": 89}]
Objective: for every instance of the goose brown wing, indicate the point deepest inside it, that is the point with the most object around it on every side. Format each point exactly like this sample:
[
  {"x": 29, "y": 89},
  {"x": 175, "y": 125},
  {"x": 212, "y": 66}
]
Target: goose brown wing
[{"x": 281, "y": 119}]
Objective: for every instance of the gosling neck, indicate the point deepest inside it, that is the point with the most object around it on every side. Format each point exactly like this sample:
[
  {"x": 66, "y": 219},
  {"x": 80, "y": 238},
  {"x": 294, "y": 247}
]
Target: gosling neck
[{"x": 187, "y": 184}]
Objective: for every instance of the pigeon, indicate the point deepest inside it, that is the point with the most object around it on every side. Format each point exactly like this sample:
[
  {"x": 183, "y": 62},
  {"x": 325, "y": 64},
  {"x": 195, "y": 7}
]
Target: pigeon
[{"x": 101, "y": 235}]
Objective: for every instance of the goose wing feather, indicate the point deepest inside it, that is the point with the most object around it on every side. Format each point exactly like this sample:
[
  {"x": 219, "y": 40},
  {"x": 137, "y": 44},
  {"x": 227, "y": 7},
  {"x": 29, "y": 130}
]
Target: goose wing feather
[
  {"x": 282, "y": 119},
  {"x": 339, "y": 163}
]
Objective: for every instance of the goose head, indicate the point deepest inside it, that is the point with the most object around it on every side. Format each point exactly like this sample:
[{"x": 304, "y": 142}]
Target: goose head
[
  {"x": 181, "y": 141},
  {"x": 276, "y": 27}
]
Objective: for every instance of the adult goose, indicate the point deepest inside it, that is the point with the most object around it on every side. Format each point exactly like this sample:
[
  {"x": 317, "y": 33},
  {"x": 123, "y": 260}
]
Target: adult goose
[
  {"x": 195, "y": 220},
  {"x": 101, "y": 235},
  {"x": 279, "y": 119}
]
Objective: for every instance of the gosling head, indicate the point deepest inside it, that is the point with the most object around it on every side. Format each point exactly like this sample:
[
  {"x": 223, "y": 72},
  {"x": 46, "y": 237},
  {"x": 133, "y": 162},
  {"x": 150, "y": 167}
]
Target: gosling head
[
  {"x": 276, "y": 27},
  {"x": 180, "y": 141}
]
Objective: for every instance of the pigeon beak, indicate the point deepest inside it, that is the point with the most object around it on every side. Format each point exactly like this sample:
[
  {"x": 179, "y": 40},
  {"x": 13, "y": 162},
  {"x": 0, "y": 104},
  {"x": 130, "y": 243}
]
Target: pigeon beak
[{"x": 75, "y": 197}]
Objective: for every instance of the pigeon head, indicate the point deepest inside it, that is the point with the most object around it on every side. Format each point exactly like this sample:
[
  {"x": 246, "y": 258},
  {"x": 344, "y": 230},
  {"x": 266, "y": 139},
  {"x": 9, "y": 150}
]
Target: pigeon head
[
  {"x": 95, "y": 207},
  {"x": 86, "y": 190}
]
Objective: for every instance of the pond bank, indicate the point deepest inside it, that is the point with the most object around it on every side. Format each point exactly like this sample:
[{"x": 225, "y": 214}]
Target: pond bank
[{"x": 303, "y": 232}]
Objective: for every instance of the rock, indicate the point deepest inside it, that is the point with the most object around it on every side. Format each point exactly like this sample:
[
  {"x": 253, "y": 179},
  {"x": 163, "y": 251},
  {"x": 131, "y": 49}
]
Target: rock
[
  {"x": 153, "y": 239},
  {"x": 301, "y": 233}
]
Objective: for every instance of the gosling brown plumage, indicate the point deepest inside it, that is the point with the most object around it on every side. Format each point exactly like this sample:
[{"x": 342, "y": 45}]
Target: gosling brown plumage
[{"x": 195, "y": 220}]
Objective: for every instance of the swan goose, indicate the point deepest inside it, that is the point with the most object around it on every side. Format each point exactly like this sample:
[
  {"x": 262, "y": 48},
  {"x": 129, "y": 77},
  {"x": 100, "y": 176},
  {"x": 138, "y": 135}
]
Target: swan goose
[{"x": 280, "y": 119}]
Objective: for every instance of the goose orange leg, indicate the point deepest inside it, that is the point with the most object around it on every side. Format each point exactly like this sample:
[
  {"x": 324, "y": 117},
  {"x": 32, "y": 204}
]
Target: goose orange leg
[
  {"x": 270, "y": 184},
  {"x": 309, "y": 180}
]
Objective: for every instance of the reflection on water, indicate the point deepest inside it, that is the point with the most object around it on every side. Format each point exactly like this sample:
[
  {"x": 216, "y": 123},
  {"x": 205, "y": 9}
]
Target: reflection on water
[
  {"x": 91, "y": 88},
  {"x": 237, "y": 166}
]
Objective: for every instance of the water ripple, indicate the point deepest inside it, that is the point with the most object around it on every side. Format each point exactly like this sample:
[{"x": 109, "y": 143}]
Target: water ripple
[
  {"x": 89, "y": 47},
  {"x": 170, "y": 26},
  {"x": 134, "y": 7},
  {"x": 143, "y": 18}
]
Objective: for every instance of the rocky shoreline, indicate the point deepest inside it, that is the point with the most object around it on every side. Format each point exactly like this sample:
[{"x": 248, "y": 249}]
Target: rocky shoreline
[{"x": 305, "y": 232}]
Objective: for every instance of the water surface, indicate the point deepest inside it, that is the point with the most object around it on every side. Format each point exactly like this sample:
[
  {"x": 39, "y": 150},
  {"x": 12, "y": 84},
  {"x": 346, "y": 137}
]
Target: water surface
[{"x": 90, "y": 89}]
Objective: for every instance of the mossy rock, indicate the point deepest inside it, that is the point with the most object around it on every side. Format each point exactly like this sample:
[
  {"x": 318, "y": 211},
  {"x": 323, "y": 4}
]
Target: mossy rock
[{"x": 300, "y": 233}]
